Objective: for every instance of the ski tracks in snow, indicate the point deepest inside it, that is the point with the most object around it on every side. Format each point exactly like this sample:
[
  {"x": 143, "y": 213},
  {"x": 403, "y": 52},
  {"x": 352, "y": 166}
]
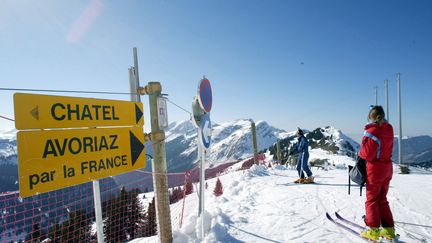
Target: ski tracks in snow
[{"x": 264, "y": 205}]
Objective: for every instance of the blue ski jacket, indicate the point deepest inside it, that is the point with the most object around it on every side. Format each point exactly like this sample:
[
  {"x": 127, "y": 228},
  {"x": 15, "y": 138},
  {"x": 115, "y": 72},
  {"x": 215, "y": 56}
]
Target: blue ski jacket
[{"x": 302, "y": 145}]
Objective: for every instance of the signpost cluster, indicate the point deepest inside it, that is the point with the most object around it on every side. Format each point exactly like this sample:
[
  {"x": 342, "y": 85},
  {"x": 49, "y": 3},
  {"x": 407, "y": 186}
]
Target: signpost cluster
[
  {"x": 66, "y": 141},
  {"x": 201, "y": 107}
]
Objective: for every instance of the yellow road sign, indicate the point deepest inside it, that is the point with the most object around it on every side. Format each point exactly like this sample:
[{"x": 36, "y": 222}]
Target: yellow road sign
[
  {"x": 55, "y": 159},
  {"x": 34, "y": 111}
]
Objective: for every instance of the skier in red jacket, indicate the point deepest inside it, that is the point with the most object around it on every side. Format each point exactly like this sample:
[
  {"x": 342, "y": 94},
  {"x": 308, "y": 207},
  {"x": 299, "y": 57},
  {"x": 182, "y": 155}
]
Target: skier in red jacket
[{"x": 376, "y": 149}]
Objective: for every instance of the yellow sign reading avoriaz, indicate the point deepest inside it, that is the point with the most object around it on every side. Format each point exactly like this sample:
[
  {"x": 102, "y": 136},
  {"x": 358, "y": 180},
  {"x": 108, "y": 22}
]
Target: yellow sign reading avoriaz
[
  {"x": 34, "y": 111},
  {"x": 55, "y": 159}
]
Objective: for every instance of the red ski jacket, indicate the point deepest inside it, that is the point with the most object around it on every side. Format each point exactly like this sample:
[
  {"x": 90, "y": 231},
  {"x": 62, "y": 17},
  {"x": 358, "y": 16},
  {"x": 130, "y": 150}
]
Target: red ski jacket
[{"x": 377, "y": 148}]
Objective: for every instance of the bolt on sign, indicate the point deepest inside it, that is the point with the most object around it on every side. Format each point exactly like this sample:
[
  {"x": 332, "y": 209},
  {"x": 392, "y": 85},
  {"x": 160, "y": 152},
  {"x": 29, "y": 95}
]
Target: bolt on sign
[
  {"x": 54, "y": 159},
  {"x": 34, "y": 111}
]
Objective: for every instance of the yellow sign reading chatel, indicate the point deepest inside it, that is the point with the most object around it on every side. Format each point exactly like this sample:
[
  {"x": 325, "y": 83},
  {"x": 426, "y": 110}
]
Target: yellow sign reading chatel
[
  {"x": 34, "y": 111},
  {"x": 55, "y": 159}
]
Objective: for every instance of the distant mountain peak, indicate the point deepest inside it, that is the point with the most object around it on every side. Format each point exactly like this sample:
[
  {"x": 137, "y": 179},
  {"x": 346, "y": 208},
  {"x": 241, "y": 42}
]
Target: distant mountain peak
[
  {"x": 231, "y": 140},
  {"x": 325, "y": 138}
]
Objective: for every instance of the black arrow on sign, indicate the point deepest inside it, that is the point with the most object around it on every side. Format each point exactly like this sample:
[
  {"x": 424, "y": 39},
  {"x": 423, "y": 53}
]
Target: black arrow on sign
[
  {"x": 136, "y": 147},
  {"x": 138, "y": 113},
  {"x": 35, "y": 113}
]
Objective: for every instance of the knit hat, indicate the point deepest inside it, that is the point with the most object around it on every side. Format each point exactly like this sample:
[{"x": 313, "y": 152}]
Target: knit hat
[{"x": 299, "y": 131}]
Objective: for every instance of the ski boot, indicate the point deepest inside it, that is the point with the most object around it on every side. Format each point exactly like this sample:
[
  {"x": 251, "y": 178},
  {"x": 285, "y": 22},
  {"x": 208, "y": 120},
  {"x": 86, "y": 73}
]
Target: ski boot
[
  {"x": 310, "y": 179},
  {"x": 388, "y": 233},
  {"x": 371, "y": 234},
  {"x": 299, "y": 180}
]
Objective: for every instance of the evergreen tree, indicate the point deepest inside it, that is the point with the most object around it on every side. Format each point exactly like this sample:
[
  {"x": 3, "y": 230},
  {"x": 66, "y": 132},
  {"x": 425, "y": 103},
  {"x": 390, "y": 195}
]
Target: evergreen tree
[
  {"x": 218, "y": 188},
  {"x": 54, "y": 232},
  {"x": 247, "y": 164},
  {"x": 125, "y": 218},
  {"x": 76, "y": 229},
  {"x": 113, "y": 221},
  {"x": 150, "y": 225},
  {"x": 179, "y": 193},
  {"x": 134, "y": 214},
  {"x": 36, "y": 234},
  {"x": 188, "y": 188},
  {"x": 171, "y": 196},
  {"x": 175, "y": 195}
]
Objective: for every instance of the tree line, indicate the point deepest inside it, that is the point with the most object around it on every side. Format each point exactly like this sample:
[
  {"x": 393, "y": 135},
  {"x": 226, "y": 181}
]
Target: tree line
[{"x": 125, "y": 218}]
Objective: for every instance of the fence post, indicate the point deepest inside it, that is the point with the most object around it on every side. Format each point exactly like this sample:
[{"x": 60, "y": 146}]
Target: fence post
[
  {"x": 159, "y": 165},
  {"x": 160, "y": 180},
  {"x": 98, "y": 211},
  {"x": 254, "y": 140}
]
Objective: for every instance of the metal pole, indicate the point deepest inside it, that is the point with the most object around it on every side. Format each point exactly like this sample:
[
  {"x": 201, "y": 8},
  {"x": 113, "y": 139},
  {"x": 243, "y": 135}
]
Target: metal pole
[
  {"x": 202, "y": 189},
  {"x": 159, "y": 166},
  {"x": 400, "y": 118},
  {"x": 387, "y": 99},
  {"x": 376, "y": 95},
  {"x": 254, "y": 140},
  {"x": 200, "y": 207},
  {"x": 98, "y": 211},
  {"x": 136, "y": 75},
  {"x": 133, "y": 84}
]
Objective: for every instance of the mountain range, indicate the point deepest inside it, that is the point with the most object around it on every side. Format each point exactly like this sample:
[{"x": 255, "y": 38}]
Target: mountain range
[
  {"x": 8, "y": 164},
  {"x": 416, "y": 150},
  {"x": 328, "y": 139},
  {"x": 231, "y": 141}
]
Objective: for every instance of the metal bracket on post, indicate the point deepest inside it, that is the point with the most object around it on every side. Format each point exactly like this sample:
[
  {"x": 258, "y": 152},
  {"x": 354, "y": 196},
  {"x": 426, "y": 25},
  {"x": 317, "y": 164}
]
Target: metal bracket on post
[
  {"x": 157, "y": 137},
  {"x": 150, "y": 88},
  {"x": 142, "y": 90},
  {"x": 147, "y": 137}
]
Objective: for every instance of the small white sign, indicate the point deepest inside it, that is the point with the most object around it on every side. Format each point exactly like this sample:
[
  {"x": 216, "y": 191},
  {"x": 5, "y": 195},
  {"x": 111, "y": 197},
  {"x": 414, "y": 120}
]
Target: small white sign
[
  {"x": 205, "y": 131},
  {"x": 162, "y": 113}
]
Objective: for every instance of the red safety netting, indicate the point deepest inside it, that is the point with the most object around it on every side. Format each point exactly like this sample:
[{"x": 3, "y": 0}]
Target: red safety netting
[{"x": 128, "y": 209}]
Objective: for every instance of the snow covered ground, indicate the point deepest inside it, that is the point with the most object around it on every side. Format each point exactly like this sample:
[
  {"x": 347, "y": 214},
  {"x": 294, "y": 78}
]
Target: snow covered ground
[{"x": 263, "y": 205}]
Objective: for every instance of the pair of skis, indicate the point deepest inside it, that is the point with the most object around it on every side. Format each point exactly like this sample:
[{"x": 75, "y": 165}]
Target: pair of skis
[
  {"x": 352, "y": 227},
  {"x": 343, "y": 223}
]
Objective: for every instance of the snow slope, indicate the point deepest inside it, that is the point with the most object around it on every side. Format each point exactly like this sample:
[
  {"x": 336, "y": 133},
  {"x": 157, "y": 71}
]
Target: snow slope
[{"x": 263, "y": 205}]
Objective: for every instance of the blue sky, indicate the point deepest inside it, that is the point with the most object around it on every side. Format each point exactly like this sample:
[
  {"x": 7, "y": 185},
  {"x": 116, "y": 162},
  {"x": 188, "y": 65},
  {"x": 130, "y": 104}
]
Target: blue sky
[{"x": 291, "y": 63}]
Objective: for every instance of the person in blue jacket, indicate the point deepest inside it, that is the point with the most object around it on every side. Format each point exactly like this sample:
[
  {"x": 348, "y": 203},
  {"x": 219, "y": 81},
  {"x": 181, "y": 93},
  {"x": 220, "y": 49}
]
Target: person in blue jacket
[{"x": 302, "y": 148}]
